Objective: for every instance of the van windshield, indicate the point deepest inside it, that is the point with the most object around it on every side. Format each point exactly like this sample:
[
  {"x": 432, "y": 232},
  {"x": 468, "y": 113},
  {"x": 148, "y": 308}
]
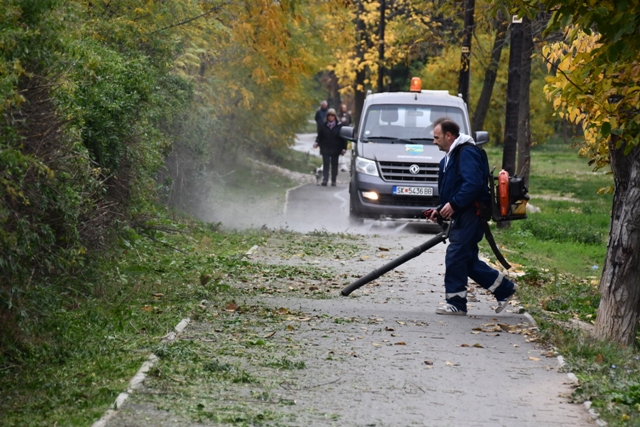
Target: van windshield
[{"x": 407, "y": 123}]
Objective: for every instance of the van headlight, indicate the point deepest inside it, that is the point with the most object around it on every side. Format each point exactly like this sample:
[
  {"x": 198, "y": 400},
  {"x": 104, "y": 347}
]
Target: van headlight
[{"x": 366, "y": 166}]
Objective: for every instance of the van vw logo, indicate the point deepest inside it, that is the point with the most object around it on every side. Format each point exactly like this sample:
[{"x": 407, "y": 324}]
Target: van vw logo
[{"x": 414, "y": 169}]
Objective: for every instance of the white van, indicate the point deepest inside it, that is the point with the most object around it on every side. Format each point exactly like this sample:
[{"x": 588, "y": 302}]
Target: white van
[{"x": 394, "y": 162}]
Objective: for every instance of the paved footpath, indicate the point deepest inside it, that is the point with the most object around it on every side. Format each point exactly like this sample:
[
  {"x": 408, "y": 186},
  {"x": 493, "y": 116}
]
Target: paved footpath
[{"x": 394, "y": 362}]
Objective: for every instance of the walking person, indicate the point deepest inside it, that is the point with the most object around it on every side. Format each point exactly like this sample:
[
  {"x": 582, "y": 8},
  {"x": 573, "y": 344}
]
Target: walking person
[
  {"x": 344, "y": 116},
  {"x": 331, "y": 146},
  {"x": 462, "y": 183},
  {"x": 321, "y": 115}
]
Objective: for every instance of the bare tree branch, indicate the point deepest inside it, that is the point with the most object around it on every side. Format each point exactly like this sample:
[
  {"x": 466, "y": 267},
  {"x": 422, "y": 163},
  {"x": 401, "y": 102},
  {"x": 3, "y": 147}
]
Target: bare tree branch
[{"x": 210, "y": 11}]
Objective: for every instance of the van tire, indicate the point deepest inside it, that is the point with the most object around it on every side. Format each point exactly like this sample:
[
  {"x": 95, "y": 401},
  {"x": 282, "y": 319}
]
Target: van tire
[{"x": 354, "y": 219}]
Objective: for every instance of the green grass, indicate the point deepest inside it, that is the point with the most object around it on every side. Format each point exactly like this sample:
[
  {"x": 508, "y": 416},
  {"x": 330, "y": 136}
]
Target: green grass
[{"x": 81, "y": 355}]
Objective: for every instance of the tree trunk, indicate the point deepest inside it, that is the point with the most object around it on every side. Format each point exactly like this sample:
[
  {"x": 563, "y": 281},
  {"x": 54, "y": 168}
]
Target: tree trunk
[
  {"x": 381, "y": 68},
  {"x": 333, "y": 90},
  {"x": 361, "y": 71},
  {"x": 620, "y": 283},
  {"x": 524, "y": 123},
  {"x": 480, "y": 112},
  {"x": 465, "y": 56},
  {"x": 513, "y": 99}
]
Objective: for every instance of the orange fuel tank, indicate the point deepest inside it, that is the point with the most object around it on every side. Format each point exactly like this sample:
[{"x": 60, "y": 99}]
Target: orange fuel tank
[{"x": 503, "y": 192}]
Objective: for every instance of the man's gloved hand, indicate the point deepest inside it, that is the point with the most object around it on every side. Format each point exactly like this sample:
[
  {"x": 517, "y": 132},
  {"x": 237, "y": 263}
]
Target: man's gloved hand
[{"x": 431, "y": 214}]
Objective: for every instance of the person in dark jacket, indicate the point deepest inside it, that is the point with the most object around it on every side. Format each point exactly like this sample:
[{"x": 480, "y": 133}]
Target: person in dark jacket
[
  {"x": 321, "y": 114},
  {"x": 331, "y": 146},
  {"x": 344, "y": 116},
  {"x": 462, "y": 183}
]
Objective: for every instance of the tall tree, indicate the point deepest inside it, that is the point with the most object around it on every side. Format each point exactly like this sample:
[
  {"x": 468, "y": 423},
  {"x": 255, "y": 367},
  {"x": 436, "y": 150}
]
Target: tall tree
[
  {"x": 524, "y": 121},
  {"x": 597, "y": 85},
  {"x": 513, "y": 97},
  {"x": 465, "y": 56},
  {"x": 490, "y": 74},
  {"x": 405, "y": 33},
  {"x": 381, "y": 65},
  {"x": 363, "y": 44}
]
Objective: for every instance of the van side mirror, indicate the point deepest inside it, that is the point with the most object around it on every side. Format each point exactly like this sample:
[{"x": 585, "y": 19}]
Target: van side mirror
[
  {"x": 346, "y": 132},
  {"x": 482, "y": 137}
]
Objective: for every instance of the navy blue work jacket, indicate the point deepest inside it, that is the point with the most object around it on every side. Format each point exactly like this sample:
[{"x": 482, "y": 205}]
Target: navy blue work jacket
[{"x": 465, "y": 180}]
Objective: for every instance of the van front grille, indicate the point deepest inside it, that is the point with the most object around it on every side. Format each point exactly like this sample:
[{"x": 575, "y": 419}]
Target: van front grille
[
  {"x": 402, "y": 171},
  {"x": 414, "y": 201}
]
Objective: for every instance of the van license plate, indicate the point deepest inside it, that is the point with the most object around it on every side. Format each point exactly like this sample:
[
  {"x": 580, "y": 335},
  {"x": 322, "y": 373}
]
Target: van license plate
[{"x": 412, "y": 191}]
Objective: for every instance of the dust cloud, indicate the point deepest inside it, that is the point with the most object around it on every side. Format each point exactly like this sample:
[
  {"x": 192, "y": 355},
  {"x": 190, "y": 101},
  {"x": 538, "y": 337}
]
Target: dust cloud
[{"x": 302, "y": 205}]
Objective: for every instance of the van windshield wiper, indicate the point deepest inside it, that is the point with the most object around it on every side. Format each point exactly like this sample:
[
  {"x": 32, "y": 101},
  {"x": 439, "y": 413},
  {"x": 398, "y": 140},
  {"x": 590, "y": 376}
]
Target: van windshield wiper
[
  {"x": 380, "y": 137},
  {"x": 394, "y": 139}
]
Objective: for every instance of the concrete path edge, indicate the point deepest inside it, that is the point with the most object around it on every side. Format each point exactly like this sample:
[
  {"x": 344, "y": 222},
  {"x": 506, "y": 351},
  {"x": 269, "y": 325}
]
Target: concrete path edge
[
  {"x": 574, "y": 379},
  {"x": 139, "y": 377}
]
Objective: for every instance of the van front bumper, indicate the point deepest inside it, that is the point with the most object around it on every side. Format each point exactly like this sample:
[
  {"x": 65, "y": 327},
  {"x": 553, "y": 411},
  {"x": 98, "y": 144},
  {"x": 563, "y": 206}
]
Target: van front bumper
[{"x": 388, "y": 205}]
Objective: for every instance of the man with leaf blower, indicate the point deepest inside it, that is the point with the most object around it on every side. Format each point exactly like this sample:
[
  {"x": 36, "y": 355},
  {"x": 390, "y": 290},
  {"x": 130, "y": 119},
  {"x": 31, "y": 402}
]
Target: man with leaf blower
[{"x": 464, "y": 194}]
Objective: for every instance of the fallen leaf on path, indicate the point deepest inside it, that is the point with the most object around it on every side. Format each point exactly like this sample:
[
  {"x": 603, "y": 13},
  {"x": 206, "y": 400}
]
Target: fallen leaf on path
[
  {"x": 389, "y": 329},
  {"x": 508, "y": 328},
  {"x": 478, "y": 345},
  {"x": 290, "y": 328},
  {"x": 231, "y": 307},
  {"x": 383, "y": 249},
  {"x": 452, "y": 364},
  {"x": 400, "y": 343},
  {"x": 282, "y": 310},
  {"x": 428, "y": 362},
  {"x": 535, "y": 359},
  {"x": 269, "y": 335},
  {"x": 464, "y": 345},
  {"x": 376, "y": 344},
  {"x": 599, "y": 359},
  {"x": 399, "y": 322}
]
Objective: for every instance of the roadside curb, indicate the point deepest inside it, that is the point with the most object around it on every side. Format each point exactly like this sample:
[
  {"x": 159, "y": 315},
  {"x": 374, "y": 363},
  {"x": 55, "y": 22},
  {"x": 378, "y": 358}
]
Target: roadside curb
[
  {"x": 139, "y": 377},
  {"x": 574, "y": 380}
]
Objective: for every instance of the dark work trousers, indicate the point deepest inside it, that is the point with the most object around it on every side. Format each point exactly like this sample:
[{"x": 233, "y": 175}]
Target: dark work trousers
[
  {"x": 462, "y": 262},
  {"x": 330, "y": 159}
]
